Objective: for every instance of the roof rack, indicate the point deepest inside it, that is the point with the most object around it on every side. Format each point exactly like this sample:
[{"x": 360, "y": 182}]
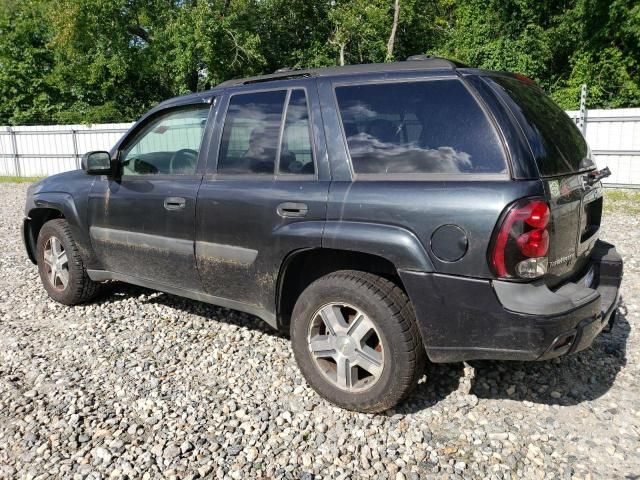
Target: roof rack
[
  {"x": 274, "y": 76},
  {"x": 427, "y": 57},
  {"x": 287, "y": 69},
  {"x": 414, "y": 62},
  {"x": 413, "y": 58}
]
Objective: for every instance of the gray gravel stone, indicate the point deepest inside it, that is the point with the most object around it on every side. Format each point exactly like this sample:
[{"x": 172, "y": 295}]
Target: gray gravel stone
[
  {"x": 147, "y": 385},
  {"x": 171, "y": 451}
]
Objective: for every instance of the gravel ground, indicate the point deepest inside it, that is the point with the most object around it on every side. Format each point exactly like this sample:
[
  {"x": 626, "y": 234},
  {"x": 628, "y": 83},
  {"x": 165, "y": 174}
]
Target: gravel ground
[{"x": 142, "y": 384}]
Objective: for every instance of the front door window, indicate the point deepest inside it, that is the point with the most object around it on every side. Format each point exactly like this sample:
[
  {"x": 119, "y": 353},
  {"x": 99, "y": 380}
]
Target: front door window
[{"x": 168, "y": 144}]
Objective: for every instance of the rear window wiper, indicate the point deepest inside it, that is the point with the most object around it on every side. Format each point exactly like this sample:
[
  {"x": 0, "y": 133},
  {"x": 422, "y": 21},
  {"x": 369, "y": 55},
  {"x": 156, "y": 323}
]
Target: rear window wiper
[{"x": 596, "y": 176}]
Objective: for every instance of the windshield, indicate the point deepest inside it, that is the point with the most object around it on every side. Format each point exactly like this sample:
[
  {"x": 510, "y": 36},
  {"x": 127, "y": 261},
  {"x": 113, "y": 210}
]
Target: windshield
[{"x": 557, "y": 144}]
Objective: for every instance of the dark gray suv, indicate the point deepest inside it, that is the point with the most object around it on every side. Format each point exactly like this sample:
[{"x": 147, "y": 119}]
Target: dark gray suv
[{"x": 382, "y": 214}]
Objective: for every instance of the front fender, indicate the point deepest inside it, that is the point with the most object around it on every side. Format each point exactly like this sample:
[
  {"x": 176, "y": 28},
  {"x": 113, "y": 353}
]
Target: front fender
[
  {"x": 76, "y": 218},
  {"x": 398, "y": 245}
]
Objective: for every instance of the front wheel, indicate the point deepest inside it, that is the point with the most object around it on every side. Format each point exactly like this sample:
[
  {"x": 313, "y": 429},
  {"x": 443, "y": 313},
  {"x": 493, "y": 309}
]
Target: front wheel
[
  {"x": 60, "y": 266},
  {"x": 356, "y": 341}
]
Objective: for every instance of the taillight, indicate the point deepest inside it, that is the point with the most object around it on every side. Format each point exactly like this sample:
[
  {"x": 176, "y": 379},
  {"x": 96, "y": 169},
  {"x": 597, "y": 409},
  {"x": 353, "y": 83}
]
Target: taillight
[
  {"x": 521, "y": 242},
  {"x": 534, "y": 243}
]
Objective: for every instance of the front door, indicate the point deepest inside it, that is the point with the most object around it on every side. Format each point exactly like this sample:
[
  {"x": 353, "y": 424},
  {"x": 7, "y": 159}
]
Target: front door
[
  {"x": 142, "y": 223},
  {"x": 266, "y": 194}
]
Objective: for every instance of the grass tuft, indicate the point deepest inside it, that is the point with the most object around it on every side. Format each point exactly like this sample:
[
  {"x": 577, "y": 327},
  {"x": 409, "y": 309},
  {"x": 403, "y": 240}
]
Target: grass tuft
[
  {"x": 622, "y": 200},
  {"x": 19, "y": 179}
]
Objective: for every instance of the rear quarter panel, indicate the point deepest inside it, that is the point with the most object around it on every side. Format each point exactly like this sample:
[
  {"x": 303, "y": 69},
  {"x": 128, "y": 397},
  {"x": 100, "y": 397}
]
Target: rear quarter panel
[
  {"x": 418, "y": 205},
  {"x": 421, "y": 207}
]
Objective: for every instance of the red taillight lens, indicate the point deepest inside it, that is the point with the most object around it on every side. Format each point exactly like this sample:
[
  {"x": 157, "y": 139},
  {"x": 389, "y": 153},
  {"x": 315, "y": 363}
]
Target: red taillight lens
[
  {"x": 539, "y": 216},
  {"x": 534, "y": 243},
  {"x": 522, "y": 235}
]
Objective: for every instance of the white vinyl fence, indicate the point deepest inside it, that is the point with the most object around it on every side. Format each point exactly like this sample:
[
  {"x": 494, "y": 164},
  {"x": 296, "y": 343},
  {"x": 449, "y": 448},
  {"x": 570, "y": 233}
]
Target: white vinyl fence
[
  {"x": 44, "y": 150},
  {"x": 614, "y": 137}
]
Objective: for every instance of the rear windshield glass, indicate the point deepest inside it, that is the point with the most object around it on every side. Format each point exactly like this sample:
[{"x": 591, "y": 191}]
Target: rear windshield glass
[
  {"x": 557, "y": 144},
  {"x": 418, "y": 127}
]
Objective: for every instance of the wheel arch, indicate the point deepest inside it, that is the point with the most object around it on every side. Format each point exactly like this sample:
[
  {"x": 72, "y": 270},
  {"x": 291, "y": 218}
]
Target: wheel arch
[
  {"x": 302, "y": 267},
  {"x": 32, "y": 225},
  {"x": 51, "y": 205}
]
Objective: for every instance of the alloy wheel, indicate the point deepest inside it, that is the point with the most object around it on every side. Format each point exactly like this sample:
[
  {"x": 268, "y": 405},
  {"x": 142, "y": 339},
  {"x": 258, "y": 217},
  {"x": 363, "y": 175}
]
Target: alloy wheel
[
  {"x": 56, "y": 264},
  {"x": 346, "y": 347}
]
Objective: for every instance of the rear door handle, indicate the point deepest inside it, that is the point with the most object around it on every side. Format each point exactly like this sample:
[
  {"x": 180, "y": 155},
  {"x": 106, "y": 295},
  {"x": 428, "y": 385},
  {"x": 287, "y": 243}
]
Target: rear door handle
[
  {"x": 174, "y": 203},
  {"x": 292, "y": 209}
]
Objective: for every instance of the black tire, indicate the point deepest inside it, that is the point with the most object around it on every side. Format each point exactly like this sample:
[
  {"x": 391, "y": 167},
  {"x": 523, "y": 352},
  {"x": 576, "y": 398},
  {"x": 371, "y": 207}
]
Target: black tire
[
  {"x": 79, "y": 287},
  {"x": 389, "y": 309}
]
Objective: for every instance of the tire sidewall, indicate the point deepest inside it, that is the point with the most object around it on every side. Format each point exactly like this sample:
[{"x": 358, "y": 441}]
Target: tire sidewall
[{"x": 321, "y": 293}]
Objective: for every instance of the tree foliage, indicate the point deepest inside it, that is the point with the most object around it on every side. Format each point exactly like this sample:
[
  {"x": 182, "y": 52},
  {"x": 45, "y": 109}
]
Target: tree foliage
[{"x": 88, "y": 61}]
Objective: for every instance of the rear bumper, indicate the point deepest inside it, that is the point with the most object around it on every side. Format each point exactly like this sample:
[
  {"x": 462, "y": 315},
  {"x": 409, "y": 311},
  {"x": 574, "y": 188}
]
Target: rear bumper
[{"x": 466, "y": 319}]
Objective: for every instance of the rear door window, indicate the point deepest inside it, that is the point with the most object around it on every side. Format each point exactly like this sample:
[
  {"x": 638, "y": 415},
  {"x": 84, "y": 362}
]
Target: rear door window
[
  {"x": 420, "y": 127},
  {"x": 251, "y": 133},
  {"x": 556, "y": 142}
]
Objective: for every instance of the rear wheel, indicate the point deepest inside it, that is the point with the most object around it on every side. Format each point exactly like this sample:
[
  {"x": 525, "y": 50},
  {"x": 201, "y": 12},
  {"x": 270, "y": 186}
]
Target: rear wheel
[
  {"x": 356, "y": 341},
  {"x": 60, "y": 266}
]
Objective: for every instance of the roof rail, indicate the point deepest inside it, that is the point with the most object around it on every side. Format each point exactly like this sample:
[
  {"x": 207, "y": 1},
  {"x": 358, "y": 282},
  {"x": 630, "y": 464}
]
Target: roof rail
[
  {"x": 427, "y": 57},
  {"x": 413, "y": 58},
  {"x": 287, "y": 69},
  {"x": 416, "y": 62},
  {"x": 275, "y": 76}
]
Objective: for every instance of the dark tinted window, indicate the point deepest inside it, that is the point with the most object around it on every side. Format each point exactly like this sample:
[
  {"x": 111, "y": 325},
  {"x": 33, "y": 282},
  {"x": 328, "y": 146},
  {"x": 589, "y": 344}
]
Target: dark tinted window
[
  {"x": 555, "y": 140},
  {"x": 296, "y": 153},
  {"x": 418, "y": 127},
  {"x": 251, "y": 132}
]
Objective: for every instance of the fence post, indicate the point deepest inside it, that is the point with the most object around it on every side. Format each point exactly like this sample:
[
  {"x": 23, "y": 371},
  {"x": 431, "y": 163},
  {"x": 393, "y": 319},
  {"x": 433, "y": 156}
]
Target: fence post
[
  {"x": 14, "y": 146},
  {"x": 582, "y": 122},
  {"x": 75, "y": 147}
]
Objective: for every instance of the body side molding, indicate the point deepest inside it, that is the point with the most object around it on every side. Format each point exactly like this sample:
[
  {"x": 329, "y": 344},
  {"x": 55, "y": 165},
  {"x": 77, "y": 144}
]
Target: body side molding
[
  {"x": 228, "y": 253},
  {"x": 126, "y": 237}
]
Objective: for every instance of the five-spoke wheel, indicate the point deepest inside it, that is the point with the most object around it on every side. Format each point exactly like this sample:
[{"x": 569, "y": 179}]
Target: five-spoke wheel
[
  {"x": 60, "y": 265},
  {"x": 346, "y": 346},
  {"x": 356, "y": 341},
  {"x": 56, "y": 263}
]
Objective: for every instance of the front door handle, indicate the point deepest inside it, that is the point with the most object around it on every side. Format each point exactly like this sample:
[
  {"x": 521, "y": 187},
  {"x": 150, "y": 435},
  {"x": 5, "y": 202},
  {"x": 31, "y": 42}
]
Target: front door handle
[
  {"x": 174, "y": 203},
  {"x": 292, "y": 209}
]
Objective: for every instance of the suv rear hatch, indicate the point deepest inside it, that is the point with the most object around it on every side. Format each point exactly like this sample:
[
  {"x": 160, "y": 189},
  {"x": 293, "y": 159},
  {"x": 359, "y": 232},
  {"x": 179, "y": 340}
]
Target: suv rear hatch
[{"x": 563, "y": 160}]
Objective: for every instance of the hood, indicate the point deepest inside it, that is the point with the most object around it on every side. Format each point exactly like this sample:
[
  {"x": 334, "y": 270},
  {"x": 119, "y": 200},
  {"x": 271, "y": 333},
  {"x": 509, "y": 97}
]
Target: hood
[{"x": 61, "y": 182}]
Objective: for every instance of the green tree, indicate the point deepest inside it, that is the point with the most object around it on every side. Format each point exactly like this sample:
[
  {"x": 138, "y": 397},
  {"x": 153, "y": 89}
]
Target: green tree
[
  {"x": 88, "y": 61},
  {"x": 26, "y": 92},
  {"x": 559, "y": 44},
  {"x": 106, "y": 66},
  {"x": 605, "y": 54}
]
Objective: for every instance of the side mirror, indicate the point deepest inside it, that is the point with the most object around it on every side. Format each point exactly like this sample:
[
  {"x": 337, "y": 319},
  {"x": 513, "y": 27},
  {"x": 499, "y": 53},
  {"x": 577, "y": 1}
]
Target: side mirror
[{"x": 97, "y": 163}]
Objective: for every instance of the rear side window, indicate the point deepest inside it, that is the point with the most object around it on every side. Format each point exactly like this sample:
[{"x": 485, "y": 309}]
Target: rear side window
[
  {"x": 557, "y": 144},
  {"x": 418, "y": 127},
  {"x": 251, "y": 132}
]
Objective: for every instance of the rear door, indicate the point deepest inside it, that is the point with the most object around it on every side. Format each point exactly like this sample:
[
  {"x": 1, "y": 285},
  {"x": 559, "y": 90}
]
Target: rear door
[
  {"x": 563, "y": 159},
  {"x": 265, "y": 191}
]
